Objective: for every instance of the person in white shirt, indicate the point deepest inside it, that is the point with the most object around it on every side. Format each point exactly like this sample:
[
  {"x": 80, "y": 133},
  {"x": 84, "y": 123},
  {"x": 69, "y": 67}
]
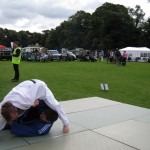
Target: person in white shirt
[{"x": 24, "y": 95}]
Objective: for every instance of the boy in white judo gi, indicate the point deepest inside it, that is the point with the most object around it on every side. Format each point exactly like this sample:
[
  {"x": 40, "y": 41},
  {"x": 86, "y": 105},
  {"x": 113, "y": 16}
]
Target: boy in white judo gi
[{"x": 24, "y": 95}]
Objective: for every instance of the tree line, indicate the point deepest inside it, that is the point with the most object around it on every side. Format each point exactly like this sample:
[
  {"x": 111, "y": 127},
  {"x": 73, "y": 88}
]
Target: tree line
[{"x": 110, "y": 26}]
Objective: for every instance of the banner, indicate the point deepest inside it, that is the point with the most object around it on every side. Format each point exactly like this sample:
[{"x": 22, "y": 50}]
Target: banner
[{"x": 11, "y": 43}]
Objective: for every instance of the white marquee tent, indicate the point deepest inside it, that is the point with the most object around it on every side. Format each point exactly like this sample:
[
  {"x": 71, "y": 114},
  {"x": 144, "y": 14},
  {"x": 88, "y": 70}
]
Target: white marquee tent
[{"x": 135, "y": 52}]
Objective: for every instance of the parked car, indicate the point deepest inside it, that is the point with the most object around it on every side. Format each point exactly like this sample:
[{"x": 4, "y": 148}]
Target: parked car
[
  {"x": 5, "y": 54},
  {"x": 24, "y": 56},
  {"x": 53, "y": 55},
  {"x": 44, "y": 57},
  {"x": 68, "y": 55},
  {"x": 75, "y": 52},
  {"x": 86, "y": 55},
  {"x": 28, "y": 56},
  {"x": 31, "y": 56}
]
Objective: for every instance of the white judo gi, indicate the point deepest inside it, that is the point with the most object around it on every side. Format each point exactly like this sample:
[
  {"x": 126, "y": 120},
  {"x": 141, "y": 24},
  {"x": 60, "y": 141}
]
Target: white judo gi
[{"x": 24, "y": 94}]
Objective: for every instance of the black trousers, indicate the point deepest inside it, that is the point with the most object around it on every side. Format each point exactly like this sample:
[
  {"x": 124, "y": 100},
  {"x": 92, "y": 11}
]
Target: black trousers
[{"x": 16, "y": 69}]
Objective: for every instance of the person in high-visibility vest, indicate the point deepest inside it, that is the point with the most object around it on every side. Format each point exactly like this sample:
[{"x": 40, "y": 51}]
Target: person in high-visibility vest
[{"x": 16, "y": 57}]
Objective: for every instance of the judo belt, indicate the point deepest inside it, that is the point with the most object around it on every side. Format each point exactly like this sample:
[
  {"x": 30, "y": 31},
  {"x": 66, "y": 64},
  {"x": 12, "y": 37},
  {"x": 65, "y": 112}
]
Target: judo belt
[{"x": 33, "y": 81}]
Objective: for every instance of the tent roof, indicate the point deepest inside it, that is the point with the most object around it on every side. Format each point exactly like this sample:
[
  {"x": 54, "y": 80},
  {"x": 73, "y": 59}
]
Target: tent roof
[{"x": 135, "y": 49}]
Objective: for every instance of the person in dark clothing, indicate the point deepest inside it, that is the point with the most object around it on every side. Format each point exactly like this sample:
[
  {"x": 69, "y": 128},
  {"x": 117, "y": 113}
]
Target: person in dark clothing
[
  {"x": 118, "y": 57},
  {"x": 35, "y": 128},
  {"x": 124, "y": 58},
  {"x": 16, "y": 57},
  {"x": 107, "y": 56},
  {"x": 35, "y": 121}
]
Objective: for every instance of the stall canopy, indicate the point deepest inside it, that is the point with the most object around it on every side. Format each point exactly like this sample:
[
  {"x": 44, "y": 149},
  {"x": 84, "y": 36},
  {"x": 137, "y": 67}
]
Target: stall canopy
[
  {"x": 135, "y": 52},
  {"x": 2, "y": 46}
]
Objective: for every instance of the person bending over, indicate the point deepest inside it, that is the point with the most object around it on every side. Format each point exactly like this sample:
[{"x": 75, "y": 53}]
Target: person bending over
[{"x": 22, "y": 97}]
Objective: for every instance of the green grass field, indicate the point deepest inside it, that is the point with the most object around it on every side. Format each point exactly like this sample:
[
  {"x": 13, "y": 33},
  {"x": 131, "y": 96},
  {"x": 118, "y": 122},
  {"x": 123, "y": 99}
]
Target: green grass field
[{"x": 72, "y": 80}]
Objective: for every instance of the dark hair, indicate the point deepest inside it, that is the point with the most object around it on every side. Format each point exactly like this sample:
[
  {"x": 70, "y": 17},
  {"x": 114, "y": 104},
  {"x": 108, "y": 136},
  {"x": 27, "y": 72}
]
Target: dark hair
[
  {"x": 7, "y": 109},
  {"x": 51, "y": 115},
  {"x": 16, "y": 42}
]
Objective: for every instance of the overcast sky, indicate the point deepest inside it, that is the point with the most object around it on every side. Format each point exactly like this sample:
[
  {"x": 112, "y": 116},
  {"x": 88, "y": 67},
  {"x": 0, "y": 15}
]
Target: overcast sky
[{"x": 39, "y": 15}]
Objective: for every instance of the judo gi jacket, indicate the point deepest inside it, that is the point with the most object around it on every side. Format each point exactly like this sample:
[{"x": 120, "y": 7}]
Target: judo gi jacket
[{"x": 24, "y": 94}]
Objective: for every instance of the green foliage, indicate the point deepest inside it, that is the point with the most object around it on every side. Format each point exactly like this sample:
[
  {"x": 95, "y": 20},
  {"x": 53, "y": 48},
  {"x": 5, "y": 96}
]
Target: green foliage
[
  {"x": 146, "y": 33},
  {"x": 24, "y": 38},
  {"x": 137, "y": 15},
  {"x": 52, "y": 40},
  {"x": 110, "y": 26},
  {"x": 72, "y": 80},
  {"x": 111, "y": 23},
  {"x": 73, "y": 33}
]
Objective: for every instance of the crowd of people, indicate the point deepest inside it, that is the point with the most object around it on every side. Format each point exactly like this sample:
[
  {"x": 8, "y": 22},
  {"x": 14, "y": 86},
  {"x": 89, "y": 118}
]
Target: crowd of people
[{"x": 114, "y": 56}]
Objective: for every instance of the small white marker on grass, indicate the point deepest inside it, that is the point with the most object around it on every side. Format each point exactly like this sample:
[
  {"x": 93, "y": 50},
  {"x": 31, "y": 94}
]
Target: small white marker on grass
[{"x": 104, "y": 86}]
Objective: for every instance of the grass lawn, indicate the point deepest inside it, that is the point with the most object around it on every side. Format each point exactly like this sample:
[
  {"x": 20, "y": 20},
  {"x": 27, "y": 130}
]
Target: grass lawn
[{"x": 72, "y": 80}]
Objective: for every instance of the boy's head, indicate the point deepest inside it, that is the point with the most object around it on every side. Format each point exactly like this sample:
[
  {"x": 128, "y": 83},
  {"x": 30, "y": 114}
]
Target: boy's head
[
  {"x": 9, "y": 112},
  {"x": 49, "y": 115}
]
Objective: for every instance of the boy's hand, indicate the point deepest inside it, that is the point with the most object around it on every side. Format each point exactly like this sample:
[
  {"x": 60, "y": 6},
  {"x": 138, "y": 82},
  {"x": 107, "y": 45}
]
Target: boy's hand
[
  {"x": 66, "y": 129},
  {"x": 36, "y": 103}
]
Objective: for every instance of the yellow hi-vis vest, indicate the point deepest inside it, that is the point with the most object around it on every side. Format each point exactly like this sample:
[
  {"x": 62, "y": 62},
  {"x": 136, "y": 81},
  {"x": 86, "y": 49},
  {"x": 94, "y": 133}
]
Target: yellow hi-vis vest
[{"x": 16, "y": 60}]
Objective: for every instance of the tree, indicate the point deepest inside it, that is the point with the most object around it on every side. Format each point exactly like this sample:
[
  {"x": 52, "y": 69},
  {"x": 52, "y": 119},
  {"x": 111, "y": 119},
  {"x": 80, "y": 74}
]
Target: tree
[
  {"x": 10, "y": 35},
  {"x": 146, "y": 33},
  {"x": 112, "y": 26},
  {"x": 24, "y": 38},
  {"x": 52, "y": 40},
  {"x": 44, "y": 37},
  {"x": 137, "y": 14},
  {"x": 3, "y": 37},
  {"x": 81, "y": 25},
  {"x": 35, "y": 38},
  {"x": 72, "y": 33},
  {"x": 66, "y": 35}
]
